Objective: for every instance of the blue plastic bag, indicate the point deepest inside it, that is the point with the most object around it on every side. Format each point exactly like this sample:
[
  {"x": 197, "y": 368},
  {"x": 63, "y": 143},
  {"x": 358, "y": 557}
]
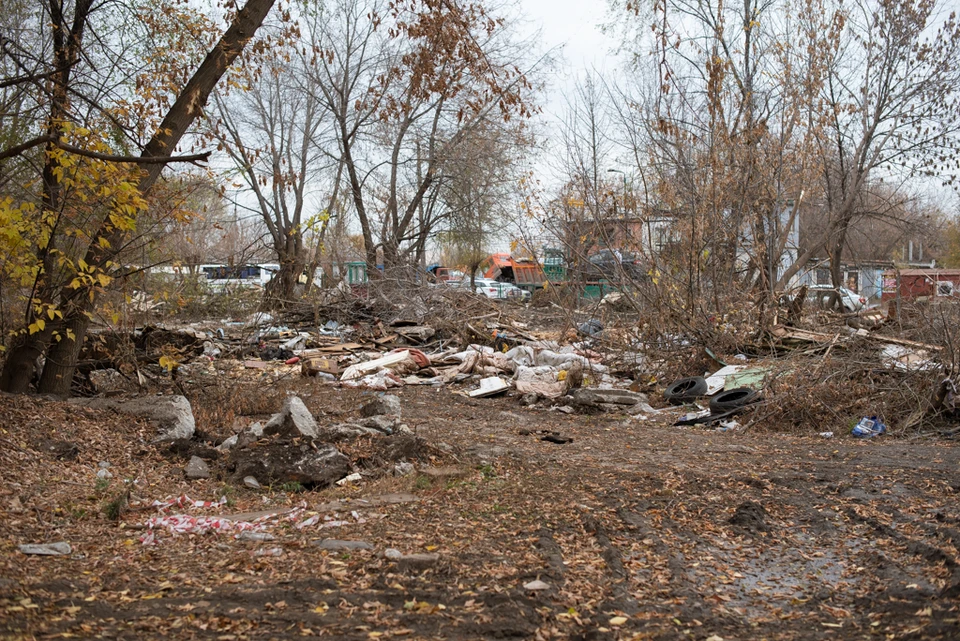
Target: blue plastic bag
[{"x": 868, "y": 427}]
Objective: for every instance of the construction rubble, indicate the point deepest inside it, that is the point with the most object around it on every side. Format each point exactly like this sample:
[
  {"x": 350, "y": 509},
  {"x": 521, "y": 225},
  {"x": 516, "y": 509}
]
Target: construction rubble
[{"x": 481, "y": 350}]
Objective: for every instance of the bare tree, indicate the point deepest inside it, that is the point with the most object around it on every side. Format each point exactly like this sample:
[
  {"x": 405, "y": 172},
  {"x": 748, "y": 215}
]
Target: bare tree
[
  {"x": 888, "y": 107},
  {"x": 270, "y": 132},
  {"x": 406, "y": 86}
]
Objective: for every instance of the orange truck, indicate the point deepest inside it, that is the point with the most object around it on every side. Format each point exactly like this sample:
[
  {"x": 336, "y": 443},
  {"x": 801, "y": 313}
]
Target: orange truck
[{"x": 524, "y": 273}]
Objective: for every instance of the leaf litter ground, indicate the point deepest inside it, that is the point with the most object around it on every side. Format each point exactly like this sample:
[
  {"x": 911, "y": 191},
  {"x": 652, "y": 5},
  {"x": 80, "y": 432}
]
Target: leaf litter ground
[{"x": 640, "y": 531}]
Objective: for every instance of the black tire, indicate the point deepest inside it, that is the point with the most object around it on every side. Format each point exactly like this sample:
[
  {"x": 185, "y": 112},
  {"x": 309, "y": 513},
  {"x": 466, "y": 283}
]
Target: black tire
[
  {"x": 686, "y": 389},
  {"x": 733, "y": 399}
]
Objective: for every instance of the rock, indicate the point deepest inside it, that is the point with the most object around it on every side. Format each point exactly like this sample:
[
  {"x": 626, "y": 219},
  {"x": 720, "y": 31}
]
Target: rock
[
  {"x": 196, "y": 468},
  {"x": 536, "y": 585},
  {"x": 228, "y": 444},
  {"x": 104, "y": 474},
  {"x": 250, "y": 435},
  {"x": 334, "y": 544},
  {"x": 403, "y": 428},
  {"x": 172, "y": 414},
  {"x": 381, "y": 423},
  {"x": 387, "y": 404},
  {"x": 614, "y": 396},
  {"x": 403, "y": 468},
  {"x": 417, "y": 562},
  {"x": 251, "y": 482},
  {"x": 103, "y": 465},
  {"x": 294, "y": 419},
  {"x": 392, "y": 554},
  {"x": 311, "y": 463},
  {"x": 46, "y": 549}
]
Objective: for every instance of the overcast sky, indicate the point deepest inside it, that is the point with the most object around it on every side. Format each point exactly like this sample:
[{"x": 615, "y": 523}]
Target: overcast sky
[{"x": 573, "y": 26}]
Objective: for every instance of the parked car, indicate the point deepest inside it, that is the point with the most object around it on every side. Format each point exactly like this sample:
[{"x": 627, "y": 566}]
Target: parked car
[
  {"x": 849, "y": 301},
  {"x": 611, "y": 263},
  {"x": 494, "y": 289}
]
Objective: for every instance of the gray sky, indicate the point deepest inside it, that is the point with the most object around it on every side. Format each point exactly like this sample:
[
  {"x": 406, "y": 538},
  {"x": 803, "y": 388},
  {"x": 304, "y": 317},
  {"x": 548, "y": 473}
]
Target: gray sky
[{"x": 574, "y": 27}]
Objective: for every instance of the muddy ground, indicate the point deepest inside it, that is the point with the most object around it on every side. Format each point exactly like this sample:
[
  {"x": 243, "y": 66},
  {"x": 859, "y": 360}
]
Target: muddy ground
[{"x": 640, "y": 531}]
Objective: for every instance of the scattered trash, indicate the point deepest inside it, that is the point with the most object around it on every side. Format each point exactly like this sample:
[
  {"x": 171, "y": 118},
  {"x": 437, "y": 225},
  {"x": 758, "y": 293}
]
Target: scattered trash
[
  {"x": 733, "y": 399},
  {"x": 269, "y": 552},
  {"x": 592, "y": 327},
  {"x": 869, "y": 427},
  {"x": 61, "y": 548},
  {"x": 400, "y": 362},
  {"x": 825, "y": 434},
  {"x": 490, "y": 386},
  {"x": 754, "y": 378},
  {"x": 907, "y": 359},
  {"x": 256, "y": 536},
  {"x": 350, "y": 478},
  {"x": 686, "y": 390},
  {"x": 718, "y": 380},
  {"x": 251, "y": 482},
  {"x": 543, "y": 380},
  {"x": 536, "y": 585}
]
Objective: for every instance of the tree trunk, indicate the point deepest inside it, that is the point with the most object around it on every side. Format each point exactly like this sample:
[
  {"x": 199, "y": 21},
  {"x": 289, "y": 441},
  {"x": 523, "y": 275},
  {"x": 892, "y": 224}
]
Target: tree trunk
[
  {"x": 61, "y": 363},
  {"x": 182, "y": 114},
  {"x": 21, "y": 364}
]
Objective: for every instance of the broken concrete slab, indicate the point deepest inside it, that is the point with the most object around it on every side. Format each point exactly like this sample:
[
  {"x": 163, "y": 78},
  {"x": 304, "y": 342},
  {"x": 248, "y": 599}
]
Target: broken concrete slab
[
  {"x": 388, "y": 404},
  {"x": 381, "y": 423},
  {"x": 172, "y": 414},
  {"x": 294, "y": 419}
]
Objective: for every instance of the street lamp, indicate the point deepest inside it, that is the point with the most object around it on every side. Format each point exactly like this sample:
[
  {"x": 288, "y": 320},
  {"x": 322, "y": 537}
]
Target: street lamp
[{"x": 624, "y": 174}]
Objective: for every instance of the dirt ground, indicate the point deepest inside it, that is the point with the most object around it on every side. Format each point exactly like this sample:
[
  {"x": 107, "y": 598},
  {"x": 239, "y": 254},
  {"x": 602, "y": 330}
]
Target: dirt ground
[{"x": 640, "y": 531}]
